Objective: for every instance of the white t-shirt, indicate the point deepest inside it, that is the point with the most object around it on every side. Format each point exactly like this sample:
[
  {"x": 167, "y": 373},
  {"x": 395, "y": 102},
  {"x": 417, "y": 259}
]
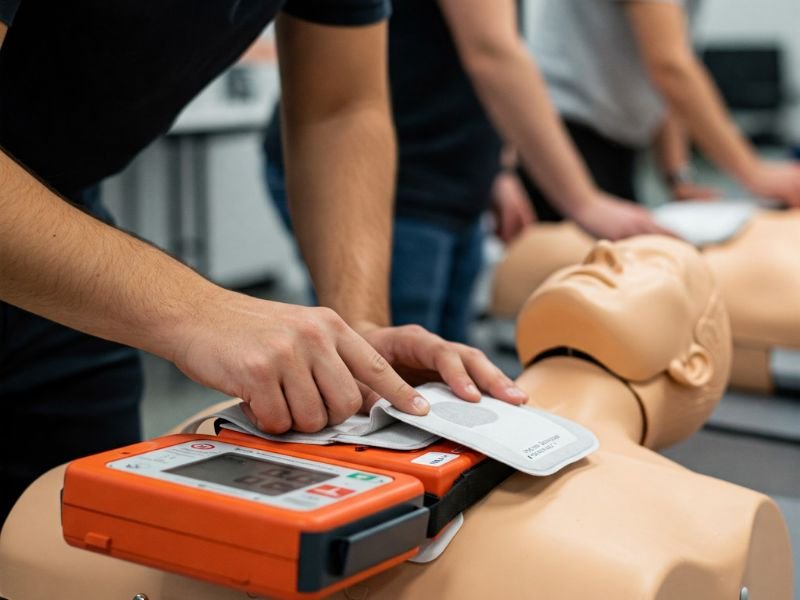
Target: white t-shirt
[{"x": 588, "y": 54}]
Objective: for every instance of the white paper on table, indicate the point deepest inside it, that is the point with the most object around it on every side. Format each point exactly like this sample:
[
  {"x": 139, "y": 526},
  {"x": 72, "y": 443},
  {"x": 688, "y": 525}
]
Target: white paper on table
[{"x": 705, "y": 223}]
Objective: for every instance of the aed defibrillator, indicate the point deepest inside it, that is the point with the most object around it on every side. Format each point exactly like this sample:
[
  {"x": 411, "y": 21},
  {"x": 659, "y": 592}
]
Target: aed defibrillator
[{"x": 272, "y": 519}]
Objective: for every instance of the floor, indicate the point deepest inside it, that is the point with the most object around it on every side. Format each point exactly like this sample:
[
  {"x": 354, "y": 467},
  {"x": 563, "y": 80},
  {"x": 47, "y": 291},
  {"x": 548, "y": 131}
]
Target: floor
[{"x": 750, "y": 440}]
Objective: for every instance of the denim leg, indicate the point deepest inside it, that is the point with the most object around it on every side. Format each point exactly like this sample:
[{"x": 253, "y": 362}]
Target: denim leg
[
  {"x": 467, "y": 262},
  {"x": 421, "y": 262},
  {"x": 63, "y": 394}
]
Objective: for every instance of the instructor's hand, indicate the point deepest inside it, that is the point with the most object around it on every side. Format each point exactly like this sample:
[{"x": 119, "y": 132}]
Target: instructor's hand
[
  {"x": 421, "y": 356},
  {"x": 304, "y": 368}
]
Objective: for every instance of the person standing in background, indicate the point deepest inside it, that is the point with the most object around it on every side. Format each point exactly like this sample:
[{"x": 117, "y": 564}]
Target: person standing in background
[
  {"x": 461, "y": 79},
  {"x": 624, "y": 77}
]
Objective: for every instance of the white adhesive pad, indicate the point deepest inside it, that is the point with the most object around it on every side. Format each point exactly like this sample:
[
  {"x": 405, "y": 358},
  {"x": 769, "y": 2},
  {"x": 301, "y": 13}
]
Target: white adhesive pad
[
  {"x": 378, "y": 430},
  {"x": 705, "y": 223},
  {"x": 530, "y": 440}
]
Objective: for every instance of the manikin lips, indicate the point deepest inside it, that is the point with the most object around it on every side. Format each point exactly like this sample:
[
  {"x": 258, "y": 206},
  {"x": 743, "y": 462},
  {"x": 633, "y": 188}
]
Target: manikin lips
[{"x": 594, "y": 273}]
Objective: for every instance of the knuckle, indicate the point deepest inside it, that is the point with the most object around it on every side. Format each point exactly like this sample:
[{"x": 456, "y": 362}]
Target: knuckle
[
  {"x": 378, "y": 365},
  {"x": 314, "y": 334},
  {"x": 353, "y": 403},
  {"x": 283, "y": 348},
  {"x": 258, "y": 366},
  {"x": 275, "y": 425},
  {"x": 416, "y": 330},
  {"x": 311, "y": 422},
  {"x": 474, "y": 354},
  {"x": 442, "y": 347},
  {"x": 329, "y": 317}
]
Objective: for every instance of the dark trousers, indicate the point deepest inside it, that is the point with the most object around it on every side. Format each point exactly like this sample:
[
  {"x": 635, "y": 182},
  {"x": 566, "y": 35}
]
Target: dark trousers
[
  {"x": 63, "y": 394},
  {"x": 612, "y": 165}
]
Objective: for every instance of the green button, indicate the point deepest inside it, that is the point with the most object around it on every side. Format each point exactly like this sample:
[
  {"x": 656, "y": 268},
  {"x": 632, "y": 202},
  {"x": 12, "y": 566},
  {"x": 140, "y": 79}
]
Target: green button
[{"x": 362, "y": 476}]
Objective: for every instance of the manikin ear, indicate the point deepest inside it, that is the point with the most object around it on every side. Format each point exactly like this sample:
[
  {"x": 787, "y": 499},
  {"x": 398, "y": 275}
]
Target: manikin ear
[{"x": 694, "y": 369}]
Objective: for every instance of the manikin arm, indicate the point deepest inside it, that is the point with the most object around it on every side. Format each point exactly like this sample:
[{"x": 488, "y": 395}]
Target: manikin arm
[
  {"x": 672, "y": 153},
  {"x": 661, "y": 33},
  {"x": 516, "y": 99}
]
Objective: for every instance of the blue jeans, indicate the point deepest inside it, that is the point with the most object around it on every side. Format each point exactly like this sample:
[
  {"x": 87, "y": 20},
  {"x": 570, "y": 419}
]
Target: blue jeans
[
  {"x": 434, "y": 268},
  {"x": 64, "y": 394}
]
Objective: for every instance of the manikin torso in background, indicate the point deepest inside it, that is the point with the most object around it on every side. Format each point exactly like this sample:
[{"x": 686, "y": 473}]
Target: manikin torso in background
[
  {"x": 758, "y": 272},
  {"x": 625, "y": 523}
]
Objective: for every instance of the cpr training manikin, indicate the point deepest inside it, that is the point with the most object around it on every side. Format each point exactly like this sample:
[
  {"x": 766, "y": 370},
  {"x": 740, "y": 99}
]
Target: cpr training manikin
[
  {"x": 633, "y": 343},
  {"x": 757, "y": 270}
]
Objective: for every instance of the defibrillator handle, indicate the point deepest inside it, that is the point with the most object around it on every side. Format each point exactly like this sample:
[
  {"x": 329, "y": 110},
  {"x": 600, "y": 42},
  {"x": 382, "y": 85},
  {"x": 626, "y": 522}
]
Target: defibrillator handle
[{"x": 361, "y": 545}]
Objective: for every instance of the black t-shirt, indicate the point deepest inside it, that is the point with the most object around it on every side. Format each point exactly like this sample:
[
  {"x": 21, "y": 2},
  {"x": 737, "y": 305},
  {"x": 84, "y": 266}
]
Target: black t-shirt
[
  {"x": 448, "y": 149},
  {"x": 8, "y": 8},
  {"x": 86, "y": 84}
]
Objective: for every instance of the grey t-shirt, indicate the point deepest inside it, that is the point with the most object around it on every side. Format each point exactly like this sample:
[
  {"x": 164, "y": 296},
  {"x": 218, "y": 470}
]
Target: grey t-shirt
[{"x": 588, "y": 54}]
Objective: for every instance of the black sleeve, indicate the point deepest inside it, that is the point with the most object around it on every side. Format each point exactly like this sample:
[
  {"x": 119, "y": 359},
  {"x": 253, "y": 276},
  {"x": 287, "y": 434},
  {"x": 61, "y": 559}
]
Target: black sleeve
[
  {"x": 8, "y": 8},
  {"x": 337, "y": 12}
]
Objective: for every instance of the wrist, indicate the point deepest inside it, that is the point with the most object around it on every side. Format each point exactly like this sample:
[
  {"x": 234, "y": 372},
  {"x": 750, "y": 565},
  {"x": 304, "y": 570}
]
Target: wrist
[
  {"x": 748, "y": 172},
  {"x": 183, "y": 320},
  {"x": 678, "y": 176},
  {"x": 578, "y": 207}
]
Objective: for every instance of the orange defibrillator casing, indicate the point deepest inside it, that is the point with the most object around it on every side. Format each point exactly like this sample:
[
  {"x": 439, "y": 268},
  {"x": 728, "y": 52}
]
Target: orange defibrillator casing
[
  {"x": 454, "y": 477},
  {"x": 269, "y": 520}
]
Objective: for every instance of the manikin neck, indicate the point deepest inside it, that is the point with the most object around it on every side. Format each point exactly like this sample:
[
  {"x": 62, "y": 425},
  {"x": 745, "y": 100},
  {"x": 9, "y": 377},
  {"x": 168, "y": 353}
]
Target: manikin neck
[{"x": 585, "y": 392}]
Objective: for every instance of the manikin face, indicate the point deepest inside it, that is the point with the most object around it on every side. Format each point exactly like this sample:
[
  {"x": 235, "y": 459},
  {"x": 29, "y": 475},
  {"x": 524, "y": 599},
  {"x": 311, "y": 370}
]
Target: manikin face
[{"x": 632, "y": 305}]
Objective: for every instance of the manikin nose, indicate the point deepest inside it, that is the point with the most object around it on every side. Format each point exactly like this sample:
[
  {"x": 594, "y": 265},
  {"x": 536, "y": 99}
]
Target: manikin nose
[{"x": 604, "y": 252}]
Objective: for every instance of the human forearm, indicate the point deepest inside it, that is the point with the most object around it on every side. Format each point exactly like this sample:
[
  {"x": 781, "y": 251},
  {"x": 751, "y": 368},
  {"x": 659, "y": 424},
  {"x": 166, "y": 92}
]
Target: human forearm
[
  {"x": 674, "y": 161},
  {"x": 340, "y": 176},
  {"x": 671, "y": 146},
  {"x": 515, "y": 96},
  {"x": 694, "y": 99},
  {"x": 63, "y": 264},
  {"x": 661, "y": 34},
  {"x": 340, "y": 161}
]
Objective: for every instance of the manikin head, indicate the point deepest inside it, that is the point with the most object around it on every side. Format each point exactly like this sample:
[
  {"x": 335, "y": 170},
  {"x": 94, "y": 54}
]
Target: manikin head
[{"x": 648, "y": 310}]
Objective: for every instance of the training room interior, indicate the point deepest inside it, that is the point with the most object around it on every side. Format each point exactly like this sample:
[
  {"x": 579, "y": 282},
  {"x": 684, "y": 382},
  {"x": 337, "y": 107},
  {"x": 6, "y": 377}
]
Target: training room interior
[
  {"x": 213, "y": 156},
  {"x": 199, "y": 193}
]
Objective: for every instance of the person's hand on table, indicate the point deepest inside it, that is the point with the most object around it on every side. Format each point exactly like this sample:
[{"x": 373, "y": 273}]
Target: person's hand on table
[
  {"x": 511, "y": 206},
  {"x": 304, "y": 368},
  {"x": 776, "y": 180},
  {"x": 611, "y": 218}
]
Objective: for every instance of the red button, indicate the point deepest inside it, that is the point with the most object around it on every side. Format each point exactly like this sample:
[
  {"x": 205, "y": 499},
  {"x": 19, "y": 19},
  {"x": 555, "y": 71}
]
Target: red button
[{"x": 331, "y": 491}]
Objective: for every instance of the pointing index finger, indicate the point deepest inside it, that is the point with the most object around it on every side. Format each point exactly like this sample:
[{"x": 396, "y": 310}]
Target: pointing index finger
[{"x": 368, "y": 366}]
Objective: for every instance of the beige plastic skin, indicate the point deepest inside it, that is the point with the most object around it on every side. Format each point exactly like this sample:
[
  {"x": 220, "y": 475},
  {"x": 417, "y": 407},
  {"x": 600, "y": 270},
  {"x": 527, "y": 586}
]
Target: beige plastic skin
[
  {"x": 625, "y": 523},
  {"x": 756, "y": 271}
]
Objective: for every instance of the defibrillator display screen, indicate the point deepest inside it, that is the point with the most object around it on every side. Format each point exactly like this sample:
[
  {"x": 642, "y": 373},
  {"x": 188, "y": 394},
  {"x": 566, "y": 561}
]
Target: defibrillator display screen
[{"x": 251, "y": 474}]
